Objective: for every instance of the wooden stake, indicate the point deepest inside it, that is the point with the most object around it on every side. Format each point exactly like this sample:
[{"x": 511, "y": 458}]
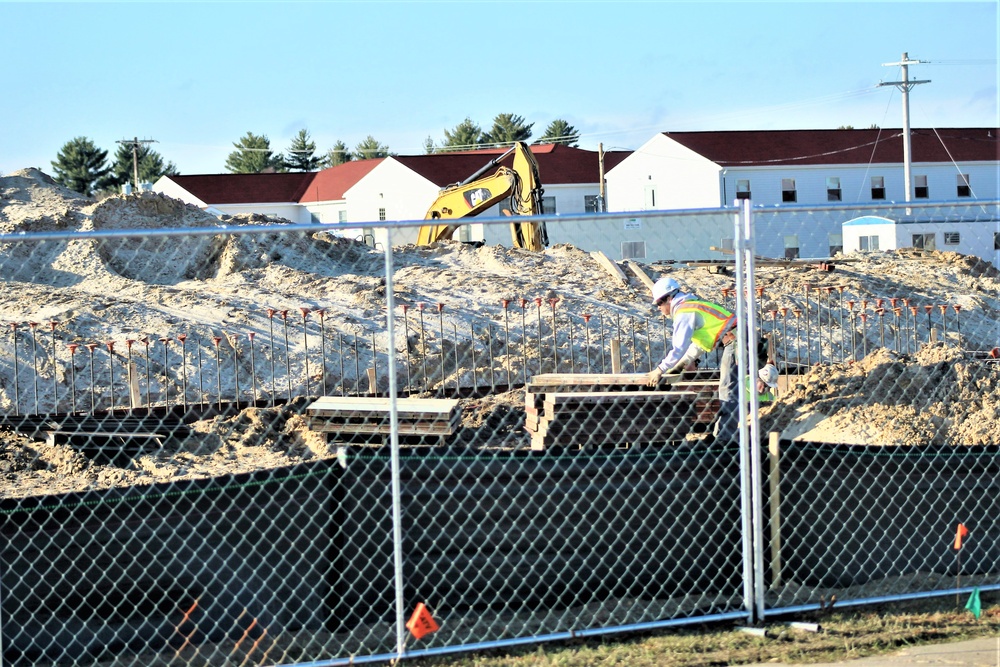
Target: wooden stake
[{"x": 774, "y": 481}]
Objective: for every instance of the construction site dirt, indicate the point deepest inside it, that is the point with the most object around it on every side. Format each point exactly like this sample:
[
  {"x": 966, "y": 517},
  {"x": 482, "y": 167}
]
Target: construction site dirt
[{"x": 84, "y": 312}]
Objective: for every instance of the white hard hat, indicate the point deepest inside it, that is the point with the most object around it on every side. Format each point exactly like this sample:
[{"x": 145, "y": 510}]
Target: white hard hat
[
  {"x": 664, "y": 287},
  {"x": 769, "y": 375}
]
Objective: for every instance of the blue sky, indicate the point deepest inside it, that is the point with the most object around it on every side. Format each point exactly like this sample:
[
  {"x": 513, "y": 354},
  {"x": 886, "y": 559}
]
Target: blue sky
[{"x": 197, "y": 76}]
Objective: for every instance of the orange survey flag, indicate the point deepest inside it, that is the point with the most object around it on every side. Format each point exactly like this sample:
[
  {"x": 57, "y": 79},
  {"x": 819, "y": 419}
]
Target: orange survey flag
[
  {"x": 421, "y": 622},
  {"x": 959, "y": 534}
]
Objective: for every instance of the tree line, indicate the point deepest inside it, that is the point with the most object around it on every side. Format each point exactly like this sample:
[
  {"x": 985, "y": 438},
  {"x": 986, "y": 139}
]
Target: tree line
[{"x": 83, "y": 167}]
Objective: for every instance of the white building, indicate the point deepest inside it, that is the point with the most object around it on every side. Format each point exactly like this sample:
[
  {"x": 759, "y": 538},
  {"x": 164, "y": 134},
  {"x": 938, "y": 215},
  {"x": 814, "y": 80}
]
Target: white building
[
  {"x": 783, "y": 172},
  {"x": 980, "y": 238},
  {"x": 676, "y": 170}
]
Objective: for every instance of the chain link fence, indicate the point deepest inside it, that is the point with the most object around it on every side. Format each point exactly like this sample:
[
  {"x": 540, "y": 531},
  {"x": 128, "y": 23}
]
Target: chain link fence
[{"x": 244, "y": 442}]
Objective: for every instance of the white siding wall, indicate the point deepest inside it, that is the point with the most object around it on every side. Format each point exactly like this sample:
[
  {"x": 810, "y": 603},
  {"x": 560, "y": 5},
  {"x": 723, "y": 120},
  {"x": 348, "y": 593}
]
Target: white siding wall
[
  {"x": 680, "y": 178},
  {"x": 326, "y": 212},
  {"x": 855, "y": 182}
]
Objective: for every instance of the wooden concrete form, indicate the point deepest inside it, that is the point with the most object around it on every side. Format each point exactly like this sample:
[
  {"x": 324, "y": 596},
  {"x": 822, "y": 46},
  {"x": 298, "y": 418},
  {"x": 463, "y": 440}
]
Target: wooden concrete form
[
  {"x": 364, "y": 415},
  {"x": 613, "y": 409}
]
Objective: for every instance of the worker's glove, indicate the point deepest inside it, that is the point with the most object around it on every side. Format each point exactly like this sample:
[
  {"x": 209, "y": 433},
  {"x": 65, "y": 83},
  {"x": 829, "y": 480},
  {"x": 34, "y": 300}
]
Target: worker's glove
[{"x": 653, "y": 378}]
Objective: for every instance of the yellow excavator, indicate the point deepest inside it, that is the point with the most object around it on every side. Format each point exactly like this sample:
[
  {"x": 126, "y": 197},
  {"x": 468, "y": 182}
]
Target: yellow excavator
[{"x": 477, "y": 193}]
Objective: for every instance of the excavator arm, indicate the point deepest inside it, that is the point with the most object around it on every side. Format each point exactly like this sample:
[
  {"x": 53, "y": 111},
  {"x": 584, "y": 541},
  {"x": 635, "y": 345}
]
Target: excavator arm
[{"x": 477, "y": 193}]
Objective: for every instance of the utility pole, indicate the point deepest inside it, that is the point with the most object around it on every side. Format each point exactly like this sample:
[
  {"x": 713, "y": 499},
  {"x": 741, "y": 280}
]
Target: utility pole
[
  {"x": 601, "y": 206},
  {"x": 905, "y": 85},
  {"x": 135, "y": 155}
]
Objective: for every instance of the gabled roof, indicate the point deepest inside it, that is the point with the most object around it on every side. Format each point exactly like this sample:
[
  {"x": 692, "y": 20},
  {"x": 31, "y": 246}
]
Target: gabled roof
[
  {"x": 246, "y": 188},
  {"x": 803, "y": 147},
  {"x": 331, "y": 184},
  {"x": 558, "y": 164}
]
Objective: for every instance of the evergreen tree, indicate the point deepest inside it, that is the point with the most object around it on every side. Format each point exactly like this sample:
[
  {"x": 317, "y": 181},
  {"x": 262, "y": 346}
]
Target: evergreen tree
[
  {"x": 253, "y": 156},
  {"x": 151, "y": 166},
  {"x": 560, "y": 132},
  {"x": 302, "y": 154},
  {"x": 338, "y": 155},
  {"x": 81, "y": 166},
  {"x": 370, "y": 148},
  {"x": 429, "y": 146},
  {"x": 465, "y": 136},
  {"x": 507, "y": 128}
]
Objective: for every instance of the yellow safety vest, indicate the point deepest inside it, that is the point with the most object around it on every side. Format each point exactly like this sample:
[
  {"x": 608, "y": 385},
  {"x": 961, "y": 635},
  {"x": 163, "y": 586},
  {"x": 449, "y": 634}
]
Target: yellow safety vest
[{"x": 717, "y": 320}]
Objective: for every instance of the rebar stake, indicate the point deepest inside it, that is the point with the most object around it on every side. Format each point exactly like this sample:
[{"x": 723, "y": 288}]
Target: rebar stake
[
  {"x": 406, "y": 346},
  {"x": 440, "y": 309},
  {"x": 913, "y": 313},
  {"x": 166, "y": 385},
  {"x": 93, "y": 397},
  {"x": 34, "y": 360},
  {"x": 538, "y": 308},
  {"x": 305, "y": 346},
  {"x": 55, "y": 390},
  {"x": 129, "y": 342},
  {"x": 524, "y": 343},
  {"x": 218, "y": 370},
  {"x": 184, "y": 376},
  {"x": 270, "y": 328},
  {"x": 145, "y": 343},
  {"x": 957, "y": 308},
  {"x": 72, "y": 375},
  {"x": 322, "y": 347},
  {"x": 555, "y": 343},
  {"x": 423, "y": 343},
  {"x": 506, "y": 342},
  {"x": 288, "y": 365},
  {"x": 864, "y": 333},
  {"x": 13, "y": 330},
  {"x": 854, "y": 331},
  {"x": 111, "y": 366},
  {"x": 586, "y": 327},
  {"x": 253, "y": 371}
]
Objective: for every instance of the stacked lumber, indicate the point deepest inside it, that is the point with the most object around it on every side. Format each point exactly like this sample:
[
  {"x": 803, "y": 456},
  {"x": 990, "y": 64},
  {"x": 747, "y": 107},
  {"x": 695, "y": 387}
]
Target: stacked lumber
[
  {"x": 348, "y": 415},
  {"x": 614, "y": 409}
]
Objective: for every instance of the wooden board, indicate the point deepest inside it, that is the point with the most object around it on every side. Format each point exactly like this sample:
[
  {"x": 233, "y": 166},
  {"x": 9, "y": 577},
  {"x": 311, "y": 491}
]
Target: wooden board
[
  {"x": 349, "y": 406},
  {"x": 611, "y": 267}
]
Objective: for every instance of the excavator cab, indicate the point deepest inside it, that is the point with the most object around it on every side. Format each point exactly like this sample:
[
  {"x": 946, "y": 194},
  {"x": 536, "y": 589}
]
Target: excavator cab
[{"x": 478, "y": 192}]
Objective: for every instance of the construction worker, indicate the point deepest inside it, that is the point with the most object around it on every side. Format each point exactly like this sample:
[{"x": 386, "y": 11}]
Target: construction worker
[{"x": 698, "y": 326}]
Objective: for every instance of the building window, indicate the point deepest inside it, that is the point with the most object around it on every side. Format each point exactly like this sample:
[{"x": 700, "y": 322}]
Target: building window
[
  {"x": 964, "y": 189},
  {"x": 788, "y": 190},
  {"x": 341, "y": 216},
  {"x": 314, "y": 217},
  {"x": 924, "y": 242},
  {"x": 878, "y": 187},
  {"x": 952, "y": 238},
  {"x": 633, "y": 250},
  {"x": 592, "y": 203},
  {"x": 381, "y": 214},
  {"x": 996, "y": 240},
  {"x": 549, "y": 205},
  {"x": 727, "y": 244},
  {"x": 743, "y": 188},
  {"x": 836, "y": 242},
  {"x": 792, "y": 246},
  {"x": 920, "y": 189},
  {"x": 833, "y": 189},
  {"x": 866, "y": 243}
]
